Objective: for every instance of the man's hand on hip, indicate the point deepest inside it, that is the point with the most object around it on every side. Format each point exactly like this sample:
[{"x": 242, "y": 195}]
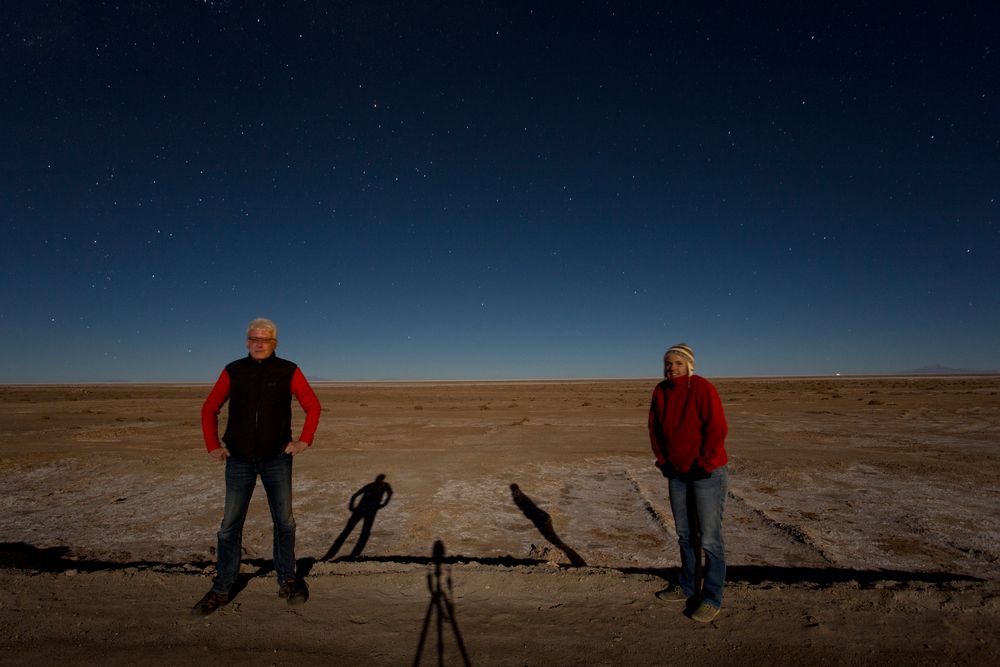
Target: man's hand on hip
[
  {"x": 219, "y": 454},
  {"x": 294, "y": 448}
]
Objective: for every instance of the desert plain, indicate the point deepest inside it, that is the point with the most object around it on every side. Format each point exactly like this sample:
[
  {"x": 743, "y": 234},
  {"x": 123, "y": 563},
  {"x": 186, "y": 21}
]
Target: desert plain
[{"x": 862, "y": 527}]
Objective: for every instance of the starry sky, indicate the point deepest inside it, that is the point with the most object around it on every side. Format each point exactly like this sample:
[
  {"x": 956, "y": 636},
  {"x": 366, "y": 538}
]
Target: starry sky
[{"x": 474, "y": 190}]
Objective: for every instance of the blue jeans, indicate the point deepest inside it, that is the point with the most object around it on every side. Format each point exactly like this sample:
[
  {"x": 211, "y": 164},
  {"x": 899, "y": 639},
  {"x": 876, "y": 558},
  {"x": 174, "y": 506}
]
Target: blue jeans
[
  {"x": 241, "y": 477},
  {"x": 697, "y": 508}
]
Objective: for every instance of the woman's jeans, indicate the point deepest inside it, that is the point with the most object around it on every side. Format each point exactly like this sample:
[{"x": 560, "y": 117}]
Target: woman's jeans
[
  {"x": 697, "y": 508},
  {"x": 241, "y": 477}
]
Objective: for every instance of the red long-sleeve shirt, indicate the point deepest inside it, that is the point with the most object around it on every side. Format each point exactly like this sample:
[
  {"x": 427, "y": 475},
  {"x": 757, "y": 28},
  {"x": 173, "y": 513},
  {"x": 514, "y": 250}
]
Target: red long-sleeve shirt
[
  {"x": 301, "y": 390},
  {"x": 687, "y": 426}
]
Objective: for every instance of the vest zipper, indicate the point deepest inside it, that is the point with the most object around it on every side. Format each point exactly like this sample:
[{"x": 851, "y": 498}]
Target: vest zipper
[{"x": 256, "y": 408}]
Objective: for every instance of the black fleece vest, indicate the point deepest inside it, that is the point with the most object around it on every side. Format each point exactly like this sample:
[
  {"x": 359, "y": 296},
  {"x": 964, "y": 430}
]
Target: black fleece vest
[{"x": 260, "y": 408}]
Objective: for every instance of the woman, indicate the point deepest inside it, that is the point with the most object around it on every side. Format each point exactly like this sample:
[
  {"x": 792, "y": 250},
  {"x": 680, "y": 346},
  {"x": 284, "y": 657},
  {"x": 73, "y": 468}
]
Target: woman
[{"x": 687, "y": 430}]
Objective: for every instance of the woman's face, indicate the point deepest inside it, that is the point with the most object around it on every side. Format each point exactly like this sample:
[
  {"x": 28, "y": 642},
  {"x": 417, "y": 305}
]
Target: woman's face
[{"x": 675, "y": 366}]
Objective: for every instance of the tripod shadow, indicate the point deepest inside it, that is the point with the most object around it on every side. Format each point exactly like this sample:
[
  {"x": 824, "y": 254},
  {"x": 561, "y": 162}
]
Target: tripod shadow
[
  {"x": 441, "y": 608},
  {"x": 364, "y": 505},
  {"x": 543, "y": 522}
]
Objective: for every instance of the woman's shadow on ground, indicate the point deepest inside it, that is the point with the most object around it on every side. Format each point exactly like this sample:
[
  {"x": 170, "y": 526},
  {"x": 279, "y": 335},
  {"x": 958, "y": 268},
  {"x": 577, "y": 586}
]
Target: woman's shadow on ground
[{"x": 543, "y": 522}]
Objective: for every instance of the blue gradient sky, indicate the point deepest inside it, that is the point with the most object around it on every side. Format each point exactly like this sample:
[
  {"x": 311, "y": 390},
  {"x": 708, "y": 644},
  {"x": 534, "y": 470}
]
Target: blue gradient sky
[{"x": 498, "y": 190}]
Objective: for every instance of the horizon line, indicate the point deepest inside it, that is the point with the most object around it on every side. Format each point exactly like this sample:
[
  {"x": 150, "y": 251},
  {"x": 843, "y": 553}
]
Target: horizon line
[{"x": 328, "y": 381}]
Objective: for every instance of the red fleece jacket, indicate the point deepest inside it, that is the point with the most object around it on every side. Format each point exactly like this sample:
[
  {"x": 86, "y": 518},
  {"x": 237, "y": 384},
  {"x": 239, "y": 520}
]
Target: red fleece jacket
[{"x": 687, "y": 426}]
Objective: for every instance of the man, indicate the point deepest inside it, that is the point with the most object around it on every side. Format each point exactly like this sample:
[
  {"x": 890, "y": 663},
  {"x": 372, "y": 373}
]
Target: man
[
  {"x": 687, "y": 431},
  {"x": 258, "y": 442}
]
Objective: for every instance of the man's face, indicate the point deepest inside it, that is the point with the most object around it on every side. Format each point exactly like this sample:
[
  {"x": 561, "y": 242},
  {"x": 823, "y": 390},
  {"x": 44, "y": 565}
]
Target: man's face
[
  {"x": 261, "y": 343},
  {"x": 675, "y": 366}
]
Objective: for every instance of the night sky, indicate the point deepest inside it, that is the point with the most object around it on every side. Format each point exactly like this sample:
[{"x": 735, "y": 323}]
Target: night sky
[{"x": 434, "y": 190}]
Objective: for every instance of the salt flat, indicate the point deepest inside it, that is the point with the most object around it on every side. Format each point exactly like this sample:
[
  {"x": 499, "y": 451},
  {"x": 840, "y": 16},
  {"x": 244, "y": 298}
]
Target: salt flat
[{"x": 857, "y": 501}]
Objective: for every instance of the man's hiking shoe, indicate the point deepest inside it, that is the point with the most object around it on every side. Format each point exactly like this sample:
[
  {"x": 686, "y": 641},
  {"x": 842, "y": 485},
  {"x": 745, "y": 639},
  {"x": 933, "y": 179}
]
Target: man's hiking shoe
[
  {"x": 293, "y": 591},
  {"x": 705, "y": 613},
  {"x": 672, "y": 594},
  {"x": 209, "y": 603}
]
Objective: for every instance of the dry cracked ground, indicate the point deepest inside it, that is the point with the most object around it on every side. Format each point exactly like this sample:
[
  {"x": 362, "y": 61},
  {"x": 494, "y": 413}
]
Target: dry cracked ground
[{"x": 862, "y": 525}]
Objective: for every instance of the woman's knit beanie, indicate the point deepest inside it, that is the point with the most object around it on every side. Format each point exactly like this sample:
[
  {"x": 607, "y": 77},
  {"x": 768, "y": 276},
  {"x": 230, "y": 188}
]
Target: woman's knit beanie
[{"x": 684, "y": 350}]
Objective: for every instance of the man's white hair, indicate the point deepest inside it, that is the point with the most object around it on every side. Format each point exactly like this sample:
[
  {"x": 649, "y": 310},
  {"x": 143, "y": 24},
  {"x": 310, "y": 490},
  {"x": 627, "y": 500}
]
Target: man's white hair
[{"x": 263, "y": 323}]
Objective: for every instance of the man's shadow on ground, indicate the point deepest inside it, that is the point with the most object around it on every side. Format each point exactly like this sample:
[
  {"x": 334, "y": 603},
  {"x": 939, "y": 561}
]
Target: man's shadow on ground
[
  {"x": 364, "y": 505},
  {"x": 543, "y": 522}
]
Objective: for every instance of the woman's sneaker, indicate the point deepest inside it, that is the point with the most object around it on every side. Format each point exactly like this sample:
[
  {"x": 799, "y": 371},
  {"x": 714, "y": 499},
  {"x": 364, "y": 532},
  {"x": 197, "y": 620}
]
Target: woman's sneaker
[
  {"x": 672, "y": 594},
  {"x": 705, "y": 613}
]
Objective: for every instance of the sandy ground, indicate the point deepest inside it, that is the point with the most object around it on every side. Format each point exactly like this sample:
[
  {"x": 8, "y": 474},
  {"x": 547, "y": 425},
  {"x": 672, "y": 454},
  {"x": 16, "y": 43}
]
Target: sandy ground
[{"x": 863, "y": 527}]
